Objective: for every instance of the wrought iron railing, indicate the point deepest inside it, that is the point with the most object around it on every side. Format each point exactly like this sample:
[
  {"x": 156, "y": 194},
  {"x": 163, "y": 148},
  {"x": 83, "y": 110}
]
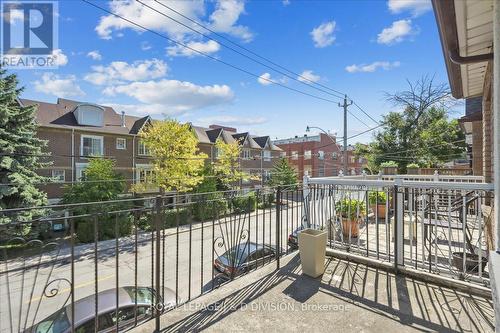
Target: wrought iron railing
[{"x": 113, "y": 265}]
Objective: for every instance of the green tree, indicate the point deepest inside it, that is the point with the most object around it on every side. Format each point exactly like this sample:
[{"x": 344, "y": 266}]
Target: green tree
[
  {"x": 422, "y": 133},
  {"x": 226, "y": 166},
  {"x": 21, "y": 154},
  {"x": 283, "y": 174},
  {"x": 100, "y": 182},
  {"x": 177, "y": 162}
]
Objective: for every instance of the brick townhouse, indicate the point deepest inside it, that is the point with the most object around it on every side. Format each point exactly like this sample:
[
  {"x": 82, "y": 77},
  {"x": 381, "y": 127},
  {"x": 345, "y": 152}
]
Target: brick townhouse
[
  {"x": 76, "y": 130},
  {"x": 319, "y": 155}
]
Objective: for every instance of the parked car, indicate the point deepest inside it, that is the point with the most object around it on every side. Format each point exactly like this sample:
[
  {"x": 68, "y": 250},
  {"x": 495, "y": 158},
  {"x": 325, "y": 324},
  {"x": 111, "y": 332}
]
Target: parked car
[
  {"x": 60, "y": 321},
  {"x": 242, "y": 258}
]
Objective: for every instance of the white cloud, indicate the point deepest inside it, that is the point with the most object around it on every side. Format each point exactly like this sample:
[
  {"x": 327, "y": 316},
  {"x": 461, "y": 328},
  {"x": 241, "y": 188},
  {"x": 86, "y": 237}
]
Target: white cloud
[
  {"x": 370, "y": 68},
  {"x": 232, "y": 120},
  {"x": 265, "y": 79},
  {"x": 285, "y": 2},
  {"x": 60, "y": 86},
  {"x": 323, "y": 35},
  {"x": 60, "y": 59},
  {"x": 416, "y": 7},
  {"x": 209, "y": 47},
  {"x": 96, "y": 55},
  {"x": 174, "y": 96},
  {"x": 396, "y": 32},
  {"x": 146, "y": 46},
  {"x": 223, "y": 19},
  {"x": 121, "y": 71},
  {"x": 308, "y": 76}
]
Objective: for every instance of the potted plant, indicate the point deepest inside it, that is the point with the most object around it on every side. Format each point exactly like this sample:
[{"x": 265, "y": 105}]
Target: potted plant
[
  {"x": 377, "y": 202},
  {"x": 389, "y": 168},
  {"x": 351, "y": 212},
  {"x": 412, "y": 169}
]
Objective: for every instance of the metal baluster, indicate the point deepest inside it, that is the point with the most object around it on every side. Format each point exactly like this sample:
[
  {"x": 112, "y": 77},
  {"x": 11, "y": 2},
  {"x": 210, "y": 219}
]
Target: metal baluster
[
  {"x": 117, "y": 236},
  {"x": 72, "y": 244},
  {"x": 479, "y": 212},
  {"x": 96, "y": 286}
]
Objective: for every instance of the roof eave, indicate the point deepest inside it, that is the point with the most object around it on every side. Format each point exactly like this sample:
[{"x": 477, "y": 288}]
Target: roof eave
[{"x": 444, "y": 11}]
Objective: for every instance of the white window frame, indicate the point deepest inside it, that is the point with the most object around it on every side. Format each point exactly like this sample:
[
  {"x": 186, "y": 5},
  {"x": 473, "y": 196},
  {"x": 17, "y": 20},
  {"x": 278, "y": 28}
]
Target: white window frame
[
  {"x": 334, "y": 155},
  {"x": 307, "y": 154},
  {"x": 266, "y": 155},
  {"x": 94, "y": 137},
  {"x": 295, "y": 155},
  {"x": 246, "y": 153},
  {"x": 79, "y": 168},
  {"x": 283, "y": 154},
  {"x": 140, "y": 152},
  {"x": 139, "y": 168},
  {"x": 122, "y": 140},
  {"x": 54, "y": 176},
  {"x": 321, "y": 155}
]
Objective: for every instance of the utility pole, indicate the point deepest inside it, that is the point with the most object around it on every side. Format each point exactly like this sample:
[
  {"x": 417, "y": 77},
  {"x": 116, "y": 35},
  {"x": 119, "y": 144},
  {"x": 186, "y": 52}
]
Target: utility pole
[{"x": 345, "y": 105}]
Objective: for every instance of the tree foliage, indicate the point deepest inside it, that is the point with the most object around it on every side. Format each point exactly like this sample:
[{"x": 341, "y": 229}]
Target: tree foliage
[
  {"x": 21, "y": 153},
  {"x": 226, "y": 166},
  {"x": 177, "y": 163},
  {"x": 422, "y": 133},
  {"x": 283, "y": 174},
  {"x": 99, "y": 182}
]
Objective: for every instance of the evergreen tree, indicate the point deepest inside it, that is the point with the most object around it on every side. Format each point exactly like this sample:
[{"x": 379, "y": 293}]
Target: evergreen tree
[
  {"x": 283, "y": 174},
  {"x": 20, "y": 154}
]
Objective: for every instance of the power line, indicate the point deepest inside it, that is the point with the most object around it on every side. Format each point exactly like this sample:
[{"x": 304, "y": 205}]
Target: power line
[
  {"x": 208, "y": 55},
  {"x": 247, "y": 49},
  {"x": 361, "y": 109},
  {"x": 302, "y": 81}
]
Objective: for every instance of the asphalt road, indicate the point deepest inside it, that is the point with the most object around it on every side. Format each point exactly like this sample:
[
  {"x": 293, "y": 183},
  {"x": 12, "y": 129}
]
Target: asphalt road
[{"x": 186, "y": 265}]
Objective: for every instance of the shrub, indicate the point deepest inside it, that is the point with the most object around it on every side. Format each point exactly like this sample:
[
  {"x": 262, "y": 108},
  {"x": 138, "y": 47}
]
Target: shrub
[
  {"x": 389, "y": 164},
  {"x": 209, "y": 205},
  {"x": 171, "y": 217},
  {"x": 244, "y": 204},
  {"x": 265, "y": 200},
  {"x": 106, "y": 224},
  {"x": 413, "y": 166},
  {"x": 372, "y": 197},
  {"x": 349, "y": 208}
]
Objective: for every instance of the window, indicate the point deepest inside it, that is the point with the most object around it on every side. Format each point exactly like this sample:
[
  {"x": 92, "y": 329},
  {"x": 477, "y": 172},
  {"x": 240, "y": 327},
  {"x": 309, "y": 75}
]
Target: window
[
  {"x": 58, "y": 175},
  {"x": 245, "y": 154},
  {"x": 92, "y": 145},
  {"x": 283, "y": 154},
  {"x": 267, "y": 155},
  {"x": 267, "y": 175},
  {"x": 145, "y": 174},
  {"x": 307, "y": 155},
  {"x": 321, "y": 171},
  {"x": 295, "y": 155},
  {"x": 334, "y": 156},
  {"x": 80, "y": 170},
  {"x": 321, "y": 155},
  {"x": 353, "y": 159},
  {"x": 121, "y": 143},
  {"x": 142, "y": 149},
  {"x": 217, "y": 152},
  {"x": 308, "y": 170},
  {"x": 361, "y": 160}
]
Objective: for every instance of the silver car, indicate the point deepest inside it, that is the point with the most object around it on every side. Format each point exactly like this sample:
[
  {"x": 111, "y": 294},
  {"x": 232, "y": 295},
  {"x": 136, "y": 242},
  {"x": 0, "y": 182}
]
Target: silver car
[{"x": 128, "y": 313}]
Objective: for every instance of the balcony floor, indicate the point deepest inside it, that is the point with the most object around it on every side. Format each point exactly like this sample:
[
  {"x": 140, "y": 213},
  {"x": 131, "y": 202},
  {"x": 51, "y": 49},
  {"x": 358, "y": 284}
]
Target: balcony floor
[{"x": 348, "y": 297}]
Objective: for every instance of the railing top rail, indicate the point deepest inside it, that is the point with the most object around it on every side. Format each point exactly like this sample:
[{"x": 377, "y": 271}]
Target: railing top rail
[{"x": 402, "y": 183}]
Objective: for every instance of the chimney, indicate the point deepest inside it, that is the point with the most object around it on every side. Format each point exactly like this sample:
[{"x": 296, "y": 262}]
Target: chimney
[{"x": 123, "y": 118}]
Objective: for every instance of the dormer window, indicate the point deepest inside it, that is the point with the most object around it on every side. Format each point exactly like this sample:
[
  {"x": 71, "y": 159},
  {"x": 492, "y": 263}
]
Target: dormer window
[{"x": 89, "y": 115}]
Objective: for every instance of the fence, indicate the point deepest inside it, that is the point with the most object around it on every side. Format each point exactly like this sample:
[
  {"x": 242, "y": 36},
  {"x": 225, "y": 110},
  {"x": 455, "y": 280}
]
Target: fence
[
  {"x": 437, "y": 227},
  {"x": 112, "y": 265}
]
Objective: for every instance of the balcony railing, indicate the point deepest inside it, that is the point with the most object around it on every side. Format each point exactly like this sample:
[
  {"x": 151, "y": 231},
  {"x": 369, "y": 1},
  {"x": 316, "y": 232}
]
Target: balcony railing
[{"x": 436, "y": 227}]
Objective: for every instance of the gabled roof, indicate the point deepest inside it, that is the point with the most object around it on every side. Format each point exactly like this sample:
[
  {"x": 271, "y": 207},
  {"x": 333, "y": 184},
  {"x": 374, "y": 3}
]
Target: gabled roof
[
  {"x": 60, "y": 115},
  {"x": 240, "y": 137},
  {"x": 262, "y": 141},
  {"x": 214, "y": 134}
]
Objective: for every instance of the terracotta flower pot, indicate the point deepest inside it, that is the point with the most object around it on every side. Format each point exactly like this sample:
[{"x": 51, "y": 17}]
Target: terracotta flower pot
[
  {"x": 350, "y": 227},
  {"x": 380, "y": 211}
]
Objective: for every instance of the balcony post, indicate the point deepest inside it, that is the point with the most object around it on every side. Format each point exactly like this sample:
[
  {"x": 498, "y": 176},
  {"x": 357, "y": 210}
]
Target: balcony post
[
  {"x": 398, "y": 224},
  {"x": 305, "y": 197},
  {"x": 496, "y": 122},
  {"x": 157, "y": 222},
  {"x": 278, "y": 227}
]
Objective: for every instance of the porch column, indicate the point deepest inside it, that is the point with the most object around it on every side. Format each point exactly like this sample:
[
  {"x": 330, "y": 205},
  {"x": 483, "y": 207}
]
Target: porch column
[{"x": 496, "y": 120}]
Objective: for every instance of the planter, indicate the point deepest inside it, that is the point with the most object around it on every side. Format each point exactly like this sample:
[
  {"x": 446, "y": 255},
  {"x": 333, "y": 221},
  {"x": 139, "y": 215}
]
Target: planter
[
  {"x": 390, "y": 170},
  {"x": 471, "y": 262},
  {"x": 350, "y": 227},
  {"x": 312, "y": 249},
  {"x": 412, "y": 171},
  {"x": 380, "y": 211}
]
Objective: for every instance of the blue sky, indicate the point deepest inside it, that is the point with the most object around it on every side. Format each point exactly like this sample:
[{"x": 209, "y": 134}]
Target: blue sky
[{"x": 362, "y": 48}]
